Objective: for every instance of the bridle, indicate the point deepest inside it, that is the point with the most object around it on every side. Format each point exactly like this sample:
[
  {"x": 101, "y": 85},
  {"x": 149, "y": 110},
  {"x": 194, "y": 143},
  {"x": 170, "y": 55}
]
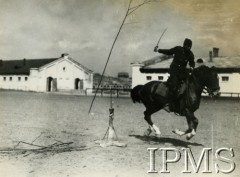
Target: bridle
[{"x": 211, "y": 92}]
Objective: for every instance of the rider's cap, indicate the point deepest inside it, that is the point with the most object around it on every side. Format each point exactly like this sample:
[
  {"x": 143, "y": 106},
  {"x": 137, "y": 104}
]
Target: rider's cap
[{"x": 187, "y": 42}]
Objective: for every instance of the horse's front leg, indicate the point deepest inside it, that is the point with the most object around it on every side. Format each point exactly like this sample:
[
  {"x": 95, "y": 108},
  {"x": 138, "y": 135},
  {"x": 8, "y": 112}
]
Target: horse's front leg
[
  {"x": 152, "y": 127},
  {"x": 192, "y": 126}
]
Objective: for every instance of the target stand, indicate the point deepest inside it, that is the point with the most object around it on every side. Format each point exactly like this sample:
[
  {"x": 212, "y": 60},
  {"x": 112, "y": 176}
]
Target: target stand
[{"x": 110, "y": 138}]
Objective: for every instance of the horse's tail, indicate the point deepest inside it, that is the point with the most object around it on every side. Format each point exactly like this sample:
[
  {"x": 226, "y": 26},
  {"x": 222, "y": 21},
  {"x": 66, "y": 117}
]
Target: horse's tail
[{"x": 135, "y": 94}]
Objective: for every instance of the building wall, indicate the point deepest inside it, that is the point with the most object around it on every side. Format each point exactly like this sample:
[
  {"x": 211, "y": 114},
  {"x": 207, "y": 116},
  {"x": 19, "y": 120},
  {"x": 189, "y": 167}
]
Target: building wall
[
  {"x": 229, "y": 83},
  {"x": 63, "y": 71},
  {"x": 139, "y": 78},
  {"x": 14, "y": 82}
]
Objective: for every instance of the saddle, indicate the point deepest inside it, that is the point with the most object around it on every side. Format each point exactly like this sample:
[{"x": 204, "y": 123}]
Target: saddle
[
  {"x": 175, "y": 106},
  {"x": 162, "y": 90}
]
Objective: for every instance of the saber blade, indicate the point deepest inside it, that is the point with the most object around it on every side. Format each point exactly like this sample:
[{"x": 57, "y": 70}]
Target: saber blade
[{"x": 161, "y": 36}]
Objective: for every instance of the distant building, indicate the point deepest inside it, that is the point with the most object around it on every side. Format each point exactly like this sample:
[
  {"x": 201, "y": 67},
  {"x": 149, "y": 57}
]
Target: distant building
[
  {"x": 123, "y": 75},
  {"x": 45, "y": 75},
  {"x": 109, "y": 82},
  {"x": 228, "y": 69}
]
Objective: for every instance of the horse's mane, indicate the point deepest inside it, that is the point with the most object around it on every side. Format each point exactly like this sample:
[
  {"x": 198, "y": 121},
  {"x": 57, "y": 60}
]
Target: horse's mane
[
  {"x": 202, "y": 70},
  {"x": 202, "y": 67}
]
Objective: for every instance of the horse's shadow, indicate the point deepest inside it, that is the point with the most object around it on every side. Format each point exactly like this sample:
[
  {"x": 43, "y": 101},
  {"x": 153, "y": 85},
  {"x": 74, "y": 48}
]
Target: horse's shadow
[{"x": 164, "y": 140}]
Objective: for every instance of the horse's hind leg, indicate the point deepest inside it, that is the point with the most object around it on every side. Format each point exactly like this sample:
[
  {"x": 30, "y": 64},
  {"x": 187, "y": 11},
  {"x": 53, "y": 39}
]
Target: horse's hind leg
[{"x": 147, "y": 117}]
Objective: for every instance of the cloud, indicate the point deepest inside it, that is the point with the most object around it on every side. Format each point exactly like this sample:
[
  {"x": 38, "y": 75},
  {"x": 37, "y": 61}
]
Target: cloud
[
  {"x": 216, "y": 22},
  {"x": 86, "y": 29}
]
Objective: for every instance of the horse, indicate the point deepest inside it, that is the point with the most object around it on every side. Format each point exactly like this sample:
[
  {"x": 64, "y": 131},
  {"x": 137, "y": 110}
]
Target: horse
[{"x": 155, "y": 96}]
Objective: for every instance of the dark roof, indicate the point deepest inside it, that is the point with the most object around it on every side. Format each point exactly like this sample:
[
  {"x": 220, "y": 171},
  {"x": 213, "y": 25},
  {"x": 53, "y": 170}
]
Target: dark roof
[
  {"x": 228, "y": 70},
  {"x": 23, "y": 66},
  {"x": 166, "y": 70},
  {"x": 154, "y": 70}
]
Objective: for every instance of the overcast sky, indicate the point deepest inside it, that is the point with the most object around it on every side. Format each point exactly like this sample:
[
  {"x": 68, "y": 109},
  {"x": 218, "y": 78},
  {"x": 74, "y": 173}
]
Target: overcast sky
[{"x": 86, "y": 29}]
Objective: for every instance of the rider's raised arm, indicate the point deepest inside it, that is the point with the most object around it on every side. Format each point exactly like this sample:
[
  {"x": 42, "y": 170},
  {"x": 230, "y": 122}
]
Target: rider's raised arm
[{"x": 167, "y": 51}]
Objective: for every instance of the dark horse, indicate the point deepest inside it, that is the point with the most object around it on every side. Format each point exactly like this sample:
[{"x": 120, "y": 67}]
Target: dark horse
[{"x": 154, "y": 95}]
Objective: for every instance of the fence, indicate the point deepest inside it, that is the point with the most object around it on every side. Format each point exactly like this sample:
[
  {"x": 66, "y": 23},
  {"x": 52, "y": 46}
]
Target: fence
[
  {"x": 107, "y": 92},
  {"x": 117, "y": 92},
  {"x": 231, "y": 95}
]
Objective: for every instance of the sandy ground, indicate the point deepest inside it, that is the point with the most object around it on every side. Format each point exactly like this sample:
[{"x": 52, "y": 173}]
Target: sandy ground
[{"x": 44, "y": 119}]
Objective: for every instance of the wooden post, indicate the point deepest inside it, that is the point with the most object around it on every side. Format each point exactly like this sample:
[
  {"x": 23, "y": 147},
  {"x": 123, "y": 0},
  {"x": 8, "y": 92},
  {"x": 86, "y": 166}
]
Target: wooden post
[{"x": 117, "y": 93}]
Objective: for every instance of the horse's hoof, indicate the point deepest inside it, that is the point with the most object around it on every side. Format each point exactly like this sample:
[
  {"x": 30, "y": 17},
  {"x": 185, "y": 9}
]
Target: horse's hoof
[
  {"x": 178, "y": 132},
  {"x": 158, "y": 135},
  {"x": 189, "y": 136}
]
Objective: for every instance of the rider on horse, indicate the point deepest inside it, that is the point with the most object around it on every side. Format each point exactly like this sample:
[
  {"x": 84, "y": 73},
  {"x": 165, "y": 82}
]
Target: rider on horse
[{"x": 182, "y": 56}]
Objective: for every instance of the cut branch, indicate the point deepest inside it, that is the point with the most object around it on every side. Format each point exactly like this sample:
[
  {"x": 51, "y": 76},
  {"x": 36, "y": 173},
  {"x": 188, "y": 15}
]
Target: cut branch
[
  {"x": 110, "y": 54},
  {"x": 29, "y": 144},
  {"x": 129, "y": 11},
  {"x": 132, "y": 9},
  {"x": 54, "y": 148}
]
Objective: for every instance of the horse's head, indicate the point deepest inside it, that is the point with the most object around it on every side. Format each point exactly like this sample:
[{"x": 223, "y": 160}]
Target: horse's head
[{"x": 210, "y": 80}]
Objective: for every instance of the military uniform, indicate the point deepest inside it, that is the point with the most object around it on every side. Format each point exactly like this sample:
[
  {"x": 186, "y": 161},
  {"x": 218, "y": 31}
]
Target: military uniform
[{"x": 181, "y": 57}]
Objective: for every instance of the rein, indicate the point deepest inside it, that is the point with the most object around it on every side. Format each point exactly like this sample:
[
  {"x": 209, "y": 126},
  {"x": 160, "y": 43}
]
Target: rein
[
  {"x": 206, "y": 89},
  {"x": 197, "y": 84}
]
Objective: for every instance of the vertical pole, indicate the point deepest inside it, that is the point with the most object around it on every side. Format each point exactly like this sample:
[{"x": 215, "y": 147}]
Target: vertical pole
[
  {"x": 111, "y": 52},
  {"x": 111, "y": 97}
]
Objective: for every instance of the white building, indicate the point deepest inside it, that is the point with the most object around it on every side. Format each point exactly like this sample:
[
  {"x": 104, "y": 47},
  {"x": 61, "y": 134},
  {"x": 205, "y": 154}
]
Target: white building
[
  {"x": 228, "y": 69},
  {"x": 45, "y": 75},
  {"x": 142, "y": 75}
]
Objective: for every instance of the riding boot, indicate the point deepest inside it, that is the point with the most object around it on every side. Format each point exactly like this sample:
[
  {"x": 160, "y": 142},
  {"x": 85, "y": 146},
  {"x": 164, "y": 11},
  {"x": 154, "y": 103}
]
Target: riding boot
[
  {"x": 172, "y": 95},
  {"x": 172, "y": 99}
]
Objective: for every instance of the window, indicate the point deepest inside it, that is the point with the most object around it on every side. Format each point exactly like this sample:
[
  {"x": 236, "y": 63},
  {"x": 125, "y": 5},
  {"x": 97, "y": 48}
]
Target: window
[
  {"x": 26, "y": 78},
  {"x": 4, "y": 78},
  {"x": 64, "y": 68},
  {"x": 160, "y": 78},
  {"x": 19, "y": 78},
  {"x": 10, "y": 78},
  {"x": 225, "y": 78},
  {"x": 149, "y": 77}
]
